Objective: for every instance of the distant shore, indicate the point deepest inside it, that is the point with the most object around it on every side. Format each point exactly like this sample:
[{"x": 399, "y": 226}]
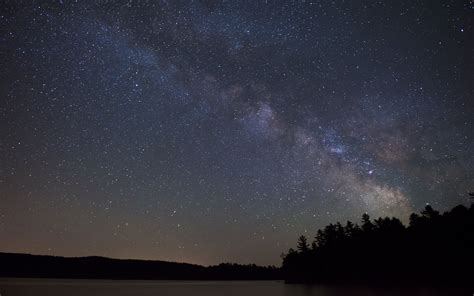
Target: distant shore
[{"x": 15, "y": 265}]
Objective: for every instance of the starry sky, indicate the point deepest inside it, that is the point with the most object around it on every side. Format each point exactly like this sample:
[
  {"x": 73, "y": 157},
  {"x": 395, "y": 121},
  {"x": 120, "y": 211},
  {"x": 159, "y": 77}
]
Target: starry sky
[{"x": 209, "y": 131}]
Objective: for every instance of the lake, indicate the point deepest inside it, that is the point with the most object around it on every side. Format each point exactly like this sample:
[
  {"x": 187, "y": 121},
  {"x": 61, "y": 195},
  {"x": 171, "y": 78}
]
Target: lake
[{"x": 55, "y": 287}]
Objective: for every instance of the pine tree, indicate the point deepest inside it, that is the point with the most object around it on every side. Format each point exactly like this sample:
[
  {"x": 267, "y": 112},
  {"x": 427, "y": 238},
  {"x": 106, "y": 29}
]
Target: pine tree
[{"x": 303, "y": 244}]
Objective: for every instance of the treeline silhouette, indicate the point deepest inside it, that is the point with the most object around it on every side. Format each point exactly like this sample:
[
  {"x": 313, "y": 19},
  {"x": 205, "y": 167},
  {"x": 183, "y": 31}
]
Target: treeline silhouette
[
  {"x": 38, "y": 266},
  {"x": 434, "y": 248}
]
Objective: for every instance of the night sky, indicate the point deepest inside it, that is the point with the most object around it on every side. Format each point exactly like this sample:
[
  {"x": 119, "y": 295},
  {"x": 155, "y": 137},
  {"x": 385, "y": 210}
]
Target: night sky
[{"x": 213, "y": 131}]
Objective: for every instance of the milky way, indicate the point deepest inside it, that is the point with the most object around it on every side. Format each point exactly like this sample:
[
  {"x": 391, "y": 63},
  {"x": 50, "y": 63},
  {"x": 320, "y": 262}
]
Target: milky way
[{"x": 206, "y": 132}]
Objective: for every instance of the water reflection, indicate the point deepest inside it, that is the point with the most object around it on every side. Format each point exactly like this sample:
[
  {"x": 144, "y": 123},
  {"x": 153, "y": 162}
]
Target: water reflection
[{"x": 39, "y": 287}]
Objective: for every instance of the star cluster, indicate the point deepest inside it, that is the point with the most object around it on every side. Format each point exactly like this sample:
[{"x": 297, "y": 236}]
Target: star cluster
[{"x": 219, "y": 131}]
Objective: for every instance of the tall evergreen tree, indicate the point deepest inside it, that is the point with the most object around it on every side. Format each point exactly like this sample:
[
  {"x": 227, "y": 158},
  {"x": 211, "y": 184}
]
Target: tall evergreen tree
[
  {"x": 303, "y": 244},
  {"x": 367, "y": 225}
]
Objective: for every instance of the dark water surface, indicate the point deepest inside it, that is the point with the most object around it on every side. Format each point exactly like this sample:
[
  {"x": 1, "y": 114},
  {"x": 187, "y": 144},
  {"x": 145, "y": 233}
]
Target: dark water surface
[{"x": 54, "y": 287}]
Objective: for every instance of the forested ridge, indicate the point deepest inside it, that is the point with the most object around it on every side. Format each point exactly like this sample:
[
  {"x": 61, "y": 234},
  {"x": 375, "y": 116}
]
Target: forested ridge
[{"x": 434, "y": 248}]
